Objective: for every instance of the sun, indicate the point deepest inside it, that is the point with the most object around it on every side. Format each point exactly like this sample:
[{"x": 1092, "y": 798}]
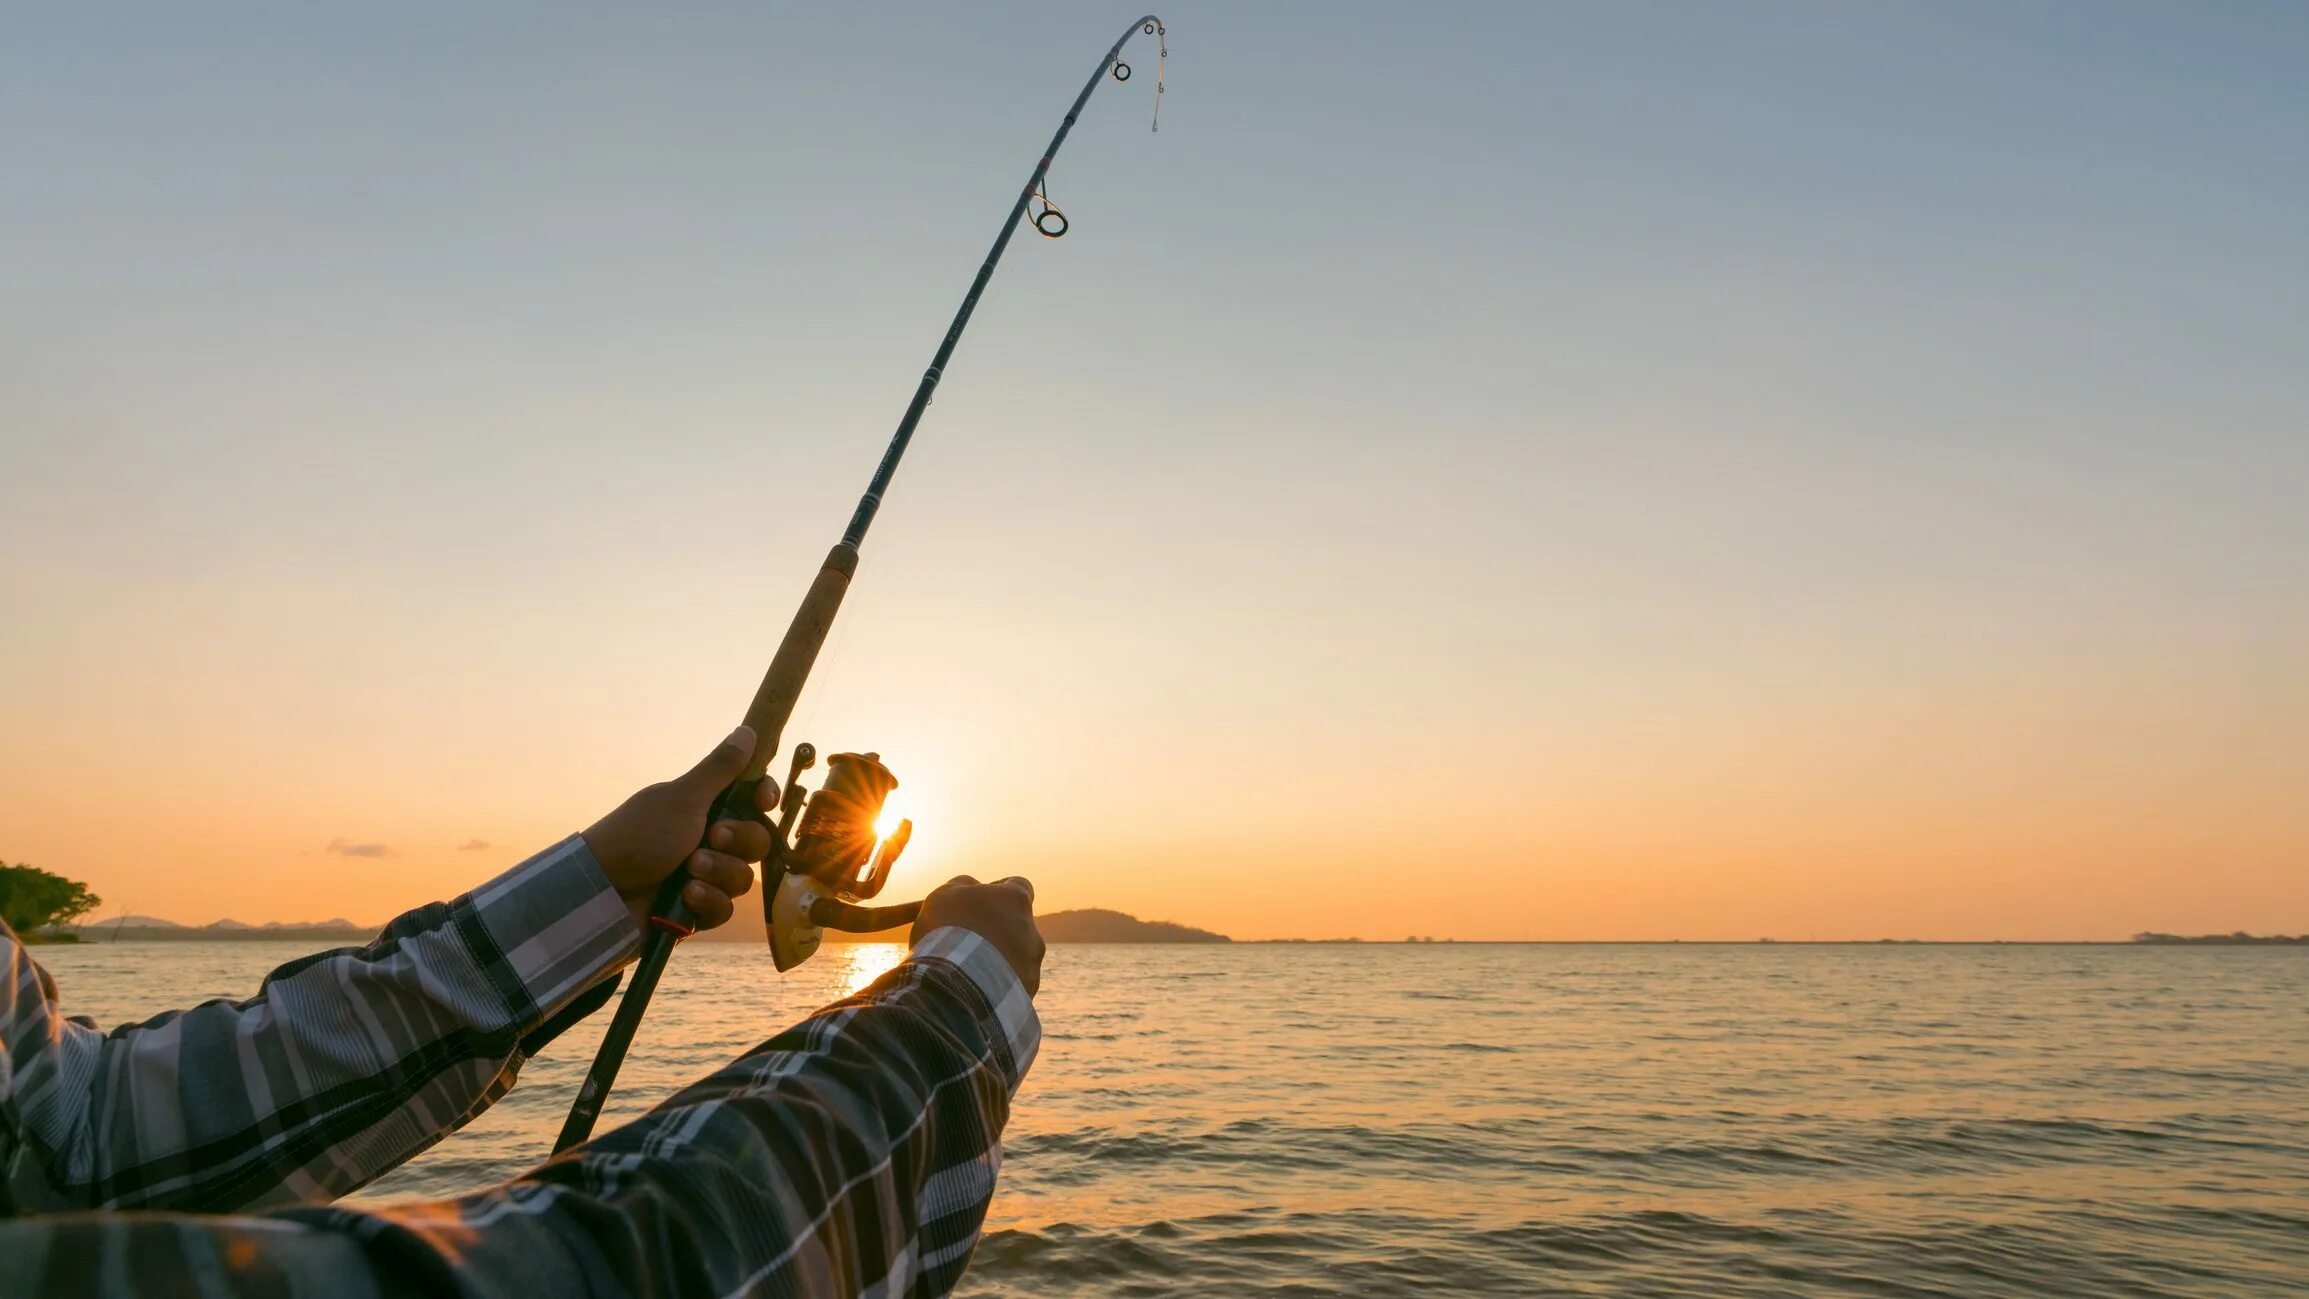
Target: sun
[{"x": 886, "y": 822}]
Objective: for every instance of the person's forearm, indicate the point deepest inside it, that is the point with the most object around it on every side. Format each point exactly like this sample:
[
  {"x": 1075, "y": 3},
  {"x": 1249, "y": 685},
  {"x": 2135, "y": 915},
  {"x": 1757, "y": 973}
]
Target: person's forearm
[
  {"x": 856, "y": 1151},
  {"x": 343, "y": 1065},
  {"x": 859, "y": 1146}
]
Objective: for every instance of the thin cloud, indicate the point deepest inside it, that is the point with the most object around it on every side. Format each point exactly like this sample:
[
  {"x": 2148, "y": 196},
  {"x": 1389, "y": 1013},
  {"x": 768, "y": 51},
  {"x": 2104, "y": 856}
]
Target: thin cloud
[
  {"x": 343, "y": 849},
  {"x": 473, "y": 845}
]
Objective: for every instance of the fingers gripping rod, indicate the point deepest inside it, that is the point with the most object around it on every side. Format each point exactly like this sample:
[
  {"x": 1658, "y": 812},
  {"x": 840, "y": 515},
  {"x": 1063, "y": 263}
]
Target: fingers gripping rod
[{"x": 773, "y": 703}]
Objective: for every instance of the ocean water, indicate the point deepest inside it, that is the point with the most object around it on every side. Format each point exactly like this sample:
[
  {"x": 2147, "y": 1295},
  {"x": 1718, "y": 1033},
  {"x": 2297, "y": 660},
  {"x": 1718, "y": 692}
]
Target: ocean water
[{"x": 1524, "y": 1120}]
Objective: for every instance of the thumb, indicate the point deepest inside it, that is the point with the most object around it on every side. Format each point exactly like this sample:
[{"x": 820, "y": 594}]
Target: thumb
[{"x": 720, "y": 767}]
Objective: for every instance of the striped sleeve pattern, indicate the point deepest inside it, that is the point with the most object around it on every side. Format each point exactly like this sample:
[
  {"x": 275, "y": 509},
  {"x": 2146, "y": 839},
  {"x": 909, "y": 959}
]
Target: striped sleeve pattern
[
  {"x": 344, "y": 1064},
  {"x": 853, "y": 1154}
]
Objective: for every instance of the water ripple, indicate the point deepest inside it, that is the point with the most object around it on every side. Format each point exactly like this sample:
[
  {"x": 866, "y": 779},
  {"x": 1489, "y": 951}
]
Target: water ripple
[{"x": 1735, "y": 1121}]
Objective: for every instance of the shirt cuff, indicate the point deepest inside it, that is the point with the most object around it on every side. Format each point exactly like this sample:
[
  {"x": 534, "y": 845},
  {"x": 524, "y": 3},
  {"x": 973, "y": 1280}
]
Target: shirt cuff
[
  {"x": 557, "y": 926},
  {"x": 1015, "y": 1025}
]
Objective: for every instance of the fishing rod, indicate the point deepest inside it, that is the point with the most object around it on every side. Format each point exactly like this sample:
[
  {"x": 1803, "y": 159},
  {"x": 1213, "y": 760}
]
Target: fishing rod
[{"x": 825, "y": 860}]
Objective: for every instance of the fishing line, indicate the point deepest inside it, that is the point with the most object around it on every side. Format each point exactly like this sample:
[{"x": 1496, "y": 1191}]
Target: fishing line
[
  {"x": 1162, "y": 57},
  {"x": 1121, "y": 71}
]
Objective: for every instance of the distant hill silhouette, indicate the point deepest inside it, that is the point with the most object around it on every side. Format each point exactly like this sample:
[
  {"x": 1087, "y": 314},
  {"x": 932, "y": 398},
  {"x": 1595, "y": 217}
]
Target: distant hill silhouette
[
  {"x": 1090, "y": 925},
  {"x": 153, "y": 929},
  {"x": 1094, "y": 925},
  {"x": 1086, "y": 925}
]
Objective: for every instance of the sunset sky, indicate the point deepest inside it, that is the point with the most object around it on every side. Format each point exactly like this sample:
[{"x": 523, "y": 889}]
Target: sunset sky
[{"x": 1649, "y": 471}]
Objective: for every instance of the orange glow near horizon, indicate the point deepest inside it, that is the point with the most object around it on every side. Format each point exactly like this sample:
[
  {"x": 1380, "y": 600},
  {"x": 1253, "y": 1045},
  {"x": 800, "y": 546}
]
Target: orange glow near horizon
[{"x": 1590, "y": 798}]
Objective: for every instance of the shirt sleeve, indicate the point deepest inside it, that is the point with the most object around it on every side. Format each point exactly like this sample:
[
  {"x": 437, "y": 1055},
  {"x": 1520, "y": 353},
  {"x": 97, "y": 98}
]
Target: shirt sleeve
[
  {"x": 852, "y": 1154},
  {"x": 343, "y": 1065}
]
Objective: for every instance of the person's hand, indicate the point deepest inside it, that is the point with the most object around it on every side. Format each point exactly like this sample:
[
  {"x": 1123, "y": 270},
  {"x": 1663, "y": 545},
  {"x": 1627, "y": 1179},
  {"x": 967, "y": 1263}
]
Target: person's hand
[
  {"x": 1002, "y": 913},
  {"x": 648, "y": 835}
]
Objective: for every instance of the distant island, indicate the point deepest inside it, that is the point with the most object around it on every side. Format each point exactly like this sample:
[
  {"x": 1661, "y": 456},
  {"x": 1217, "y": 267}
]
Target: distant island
[
  {"x": 2237, "y": 939},
  {"x": 153, "y": 929},
  {"x": 1093, "y": 925},
  {"x": 1088, "y": 925}
]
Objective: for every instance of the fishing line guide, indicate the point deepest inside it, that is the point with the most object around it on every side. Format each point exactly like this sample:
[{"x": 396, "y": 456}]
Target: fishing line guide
[{"x": 824, "y": 860}]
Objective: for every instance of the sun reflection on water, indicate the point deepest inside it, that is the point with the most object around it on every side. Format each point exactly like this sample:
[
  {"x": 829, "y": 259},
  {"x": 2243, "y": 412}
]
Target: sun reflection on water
[{"x": 862, "y": 963}]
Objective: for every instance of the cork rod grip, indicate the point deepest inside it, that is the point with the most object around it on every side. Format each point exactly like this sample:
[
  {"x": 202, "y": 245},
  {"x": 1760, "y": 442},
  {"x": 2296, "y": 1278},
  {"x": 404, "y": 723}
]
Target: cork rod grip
[{"x": 805, "y": 636}]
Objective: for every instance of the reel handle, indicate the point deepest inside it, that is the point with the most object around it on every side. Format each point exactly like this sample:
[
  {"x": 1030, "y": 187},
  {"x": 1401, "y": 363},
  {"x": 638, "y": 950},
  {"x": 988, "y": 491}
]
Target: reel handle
[
  {"x": 801, "y": 909},
  {"x": 850, "y": 918}
]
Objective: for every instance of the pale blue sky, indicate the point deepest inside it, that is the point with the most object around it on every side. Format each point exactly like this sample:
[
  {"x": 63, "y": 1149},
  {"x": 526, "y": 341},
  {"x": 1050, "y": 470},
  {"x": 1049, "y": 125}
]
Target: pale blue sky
[{"x": 1550, "y": 410}]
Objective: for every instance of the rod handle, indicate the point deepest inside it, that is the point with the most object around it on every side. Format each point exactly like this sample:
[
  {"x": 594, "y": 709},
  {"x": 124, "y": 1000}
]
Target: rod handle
[
  {"x": 738, "y": 801},
  {"x": 670, "y": 920},
  {"x": 790, "y": 667}
]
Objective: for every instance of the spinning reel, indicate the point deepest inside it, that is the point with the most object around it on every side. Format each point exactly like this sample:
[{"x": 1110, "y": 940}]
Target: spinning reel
[{"x": 825, "y": 858}]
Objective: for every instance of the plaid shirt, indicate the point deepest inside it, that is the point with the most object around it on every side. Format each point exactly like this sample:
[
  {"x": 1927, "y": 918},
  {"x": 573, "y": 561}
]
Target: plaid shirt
[
  {"x": 852, "y": 1154},
  {"x": 344, "y": 1064}
]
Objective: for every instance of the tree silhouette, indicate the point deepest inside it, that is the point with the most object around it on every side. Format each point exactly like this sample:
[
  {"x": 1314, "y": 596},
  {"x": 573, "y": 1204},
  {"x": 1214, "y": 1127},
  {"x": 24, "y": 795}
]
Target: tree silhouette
[{"x": 31, "y": 898}]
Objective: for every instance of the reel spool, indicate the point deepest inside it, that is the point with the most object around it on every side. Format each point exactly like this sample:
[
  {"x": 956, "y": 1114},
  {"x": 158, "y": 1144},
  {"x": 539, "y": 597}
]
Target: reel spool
[
  {"x": 836, "y": 861},
  {"x": 836, "y": 844}
]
